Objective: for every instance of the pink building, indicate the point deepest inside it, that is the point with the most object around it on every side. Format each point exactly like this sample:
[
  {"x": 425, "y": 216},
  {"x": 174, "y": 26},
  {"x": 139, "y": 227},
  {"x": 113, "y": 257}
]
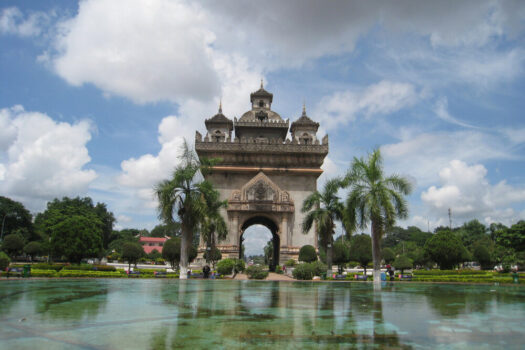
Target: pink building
[{"x": 152, "y": 243}]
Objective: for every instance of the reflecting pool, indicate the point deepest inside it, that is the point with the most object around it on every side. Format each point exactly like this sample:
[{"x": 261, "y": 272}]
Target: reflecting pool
[{"x": 197, "y": 314}]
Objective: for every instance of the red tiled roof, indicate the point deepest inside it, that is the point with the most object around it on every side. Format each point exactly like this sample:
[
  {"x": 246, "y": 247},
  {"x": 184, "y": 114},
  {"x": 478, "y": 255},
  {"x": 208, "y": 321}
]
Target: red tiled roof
[{"x": 153, "y": 239}]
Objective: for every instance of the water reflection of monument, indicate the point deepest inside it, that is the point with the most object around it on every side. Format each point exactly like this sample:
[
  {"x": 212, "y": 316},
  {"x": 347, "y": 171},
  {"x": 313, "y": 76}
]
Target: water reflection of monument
[{"x": 282, "y": 314}]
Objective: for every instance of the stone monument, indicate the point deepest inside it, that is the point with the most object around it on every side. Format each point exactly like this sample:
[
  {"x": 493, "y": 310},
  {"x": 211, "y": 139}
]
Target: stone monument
[{"x": 264, "y": 174}]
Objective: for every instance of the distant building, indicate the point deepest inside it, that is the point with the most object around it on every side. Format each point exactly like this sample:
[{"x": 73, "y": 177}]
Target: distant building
[{"x": 152, "y": 243}]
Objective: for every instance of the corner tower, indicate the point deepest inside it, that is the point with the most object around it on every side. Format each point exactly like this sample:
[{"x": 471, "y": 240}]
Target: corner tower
[{"x": 264, "y": 175}]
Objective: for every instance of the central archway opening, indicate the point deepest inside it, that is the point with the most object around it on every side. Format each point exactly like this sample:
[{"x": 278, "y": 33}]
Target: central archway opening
[{"x": 257, "y": 233}]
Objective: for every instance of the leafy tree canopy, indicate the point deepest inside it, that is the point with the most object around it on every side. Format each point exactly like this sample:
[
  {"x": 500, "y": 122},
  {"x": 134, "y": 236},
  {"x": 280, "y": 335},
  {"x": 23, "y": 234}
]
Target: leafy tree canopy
[
  {"x": 172, "y": 249},
  {"x": 171, "y": 229},
  {"x": 132, "y": 252},
  {"x": 388, "y": 255},
  {"x": 13, "y": 244},
  {"x": 446, "y": 249},
  {"x": 341, "y": 254},
  {"x": 402, "y": 263},
  {"x": 16, "y": 217},
  {"x": 76, "y": 237},
  {"x": 33, "y": 249},
  {"x": 513, "y": 237},
  {"x": 361, "y": 249},
  {"x": 307, "y": 253}
]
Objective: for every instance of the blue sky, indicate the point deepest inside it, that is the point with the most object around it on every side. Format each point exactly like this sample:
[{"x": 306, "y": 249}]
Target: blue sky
[{"x": 96, "y": 96}]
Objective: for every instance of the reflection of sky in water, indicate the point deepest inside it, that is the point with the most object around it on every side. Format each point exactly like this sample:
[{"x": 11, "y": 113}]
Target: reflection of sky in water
[{"x": 166, "y": 314}]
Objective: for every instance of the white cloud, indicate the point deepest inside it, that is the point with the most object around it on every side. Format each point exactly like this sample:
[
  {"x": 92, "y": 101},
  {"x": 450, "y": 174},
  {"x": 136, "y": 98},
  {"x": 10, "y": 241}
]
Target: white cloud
[
  {"x": 424, "y": 154},
  {"x": 441, "y": 110},
  {"x": 466, "y": 190},
  {"x": 13, "y": 22},
  {"x": 159, "y": 50},
  {"x": 378, "y": 99},
  {"x": 42, "y": 159},
  {"x": 178, "y": 50}
]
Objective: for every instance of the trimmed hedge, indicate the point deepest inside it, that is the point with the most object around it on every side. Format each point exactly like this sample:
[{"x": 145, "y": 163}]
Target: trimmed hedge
[{"x": 93, "y": 274}]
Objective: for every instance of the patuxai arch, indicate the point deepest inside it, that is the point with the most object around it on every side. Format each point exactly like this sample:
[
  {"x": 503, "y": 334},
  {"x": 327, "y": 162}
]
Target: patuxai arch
[{"x": 268, "y": 168}]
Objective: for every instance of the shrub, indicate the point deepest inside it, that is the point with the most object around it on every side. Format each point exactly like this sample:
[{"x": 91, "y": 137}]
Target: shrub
[
  {"x": 256, "y": 272},
  {"x": 303, "y": 271},
  {"x": 104, "y": 268},
  {"x": 4, "y": 261},
  {"x": 319, "y": 268},
  {"x": 45, "y": 266},
  {"x": 229, "y": 266},
  {"x": 225, "y": 266},
  {"x": 279, "y": 270},
  {"x": 307, "y": 254},
  {"x": 94, "y": 274},
  {"x": 43, "y": 273},
  {"x": 290, "y": 263},
  {"x": 239, "y": 265}
]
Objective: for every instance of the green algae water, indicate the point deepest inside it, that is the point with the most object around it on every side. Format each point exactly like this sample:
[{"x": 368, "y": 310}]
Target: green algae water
[{"x": 214, "y": 314}]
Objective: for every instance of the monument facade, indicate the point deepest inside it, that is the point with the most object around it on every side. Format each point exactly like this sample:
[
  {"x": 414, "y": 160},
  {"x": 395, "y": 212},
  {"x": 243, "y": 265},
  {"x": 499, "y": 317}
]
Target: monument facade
[{"x": 268, "y": 167}]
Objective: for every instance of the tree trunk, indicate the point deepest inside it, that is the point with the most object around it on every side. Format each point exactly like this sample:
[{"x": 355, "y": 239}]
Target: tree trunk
[
  {"x": 376, "y": 254},
  {"x": 329, "y": 251},
  {"x": 185, "y": 241}
]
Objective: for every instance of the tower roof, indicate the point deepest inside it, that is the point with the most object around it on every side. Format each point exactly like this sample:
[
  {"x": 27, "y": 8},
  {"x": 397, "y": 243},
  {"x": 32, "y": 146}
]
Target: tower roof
[
  {"x": 219, "y": 119},
  {"x": 261, "y": 93},
  {"x": 304, "y": 121}
]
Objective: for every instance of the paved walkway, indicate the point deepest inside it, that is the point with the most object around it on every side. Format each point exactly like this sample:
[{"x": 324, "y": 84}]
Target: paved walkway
[{"x": 272, "y": 276}]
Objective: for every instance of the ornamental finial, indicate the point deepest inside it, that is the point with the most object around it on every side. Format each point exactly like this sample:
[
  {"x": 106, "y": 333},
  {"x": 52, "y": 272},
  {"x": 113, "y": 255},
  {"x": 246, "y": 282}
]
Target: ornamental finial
[
  {"x": 220, "y": 105},
  {"x": 262, "y": 85},
  {"x": 304, "y": 107}
]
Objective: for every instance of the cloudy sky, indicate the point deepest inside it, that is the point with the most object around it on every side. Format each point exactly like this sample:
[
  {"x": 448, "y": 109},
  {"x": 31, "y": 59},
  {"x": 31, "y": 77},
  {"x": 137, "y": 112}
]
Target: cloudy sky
[{"x": 96, "y": 96}]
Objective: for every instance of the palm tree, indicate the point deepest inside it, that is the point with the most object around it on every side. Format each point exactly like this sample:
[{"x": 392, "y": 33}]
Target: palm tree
[
  {"x": 324, "y": 209},
  {"x": 212, "y": 223},
  {"x": 374, "y": 198},
  {"x": 182, "y": 196}
]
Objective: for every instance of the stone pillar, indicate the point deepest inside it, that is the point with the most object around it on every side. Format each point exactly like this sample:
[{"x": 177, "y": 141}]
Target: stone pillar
[
  {"x": 235, "y": 229},
  {"x": 284, "y": 231}
]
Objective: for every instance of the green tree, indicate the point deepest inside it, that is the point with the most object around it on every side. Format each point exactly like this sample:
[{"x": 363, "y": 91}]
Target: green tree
[
  {"x": 402, "y": 263},
  {"x": 323, "y": 209},
  {"x": 76, "y": 237},
  {"x": 118, "y": 238},
  {"x": 169, "y": 230},
  {"x": 483, "y": 257},
  {"x": 171, "y": 252},
  {"x": 341, "y": 254},
  {"x": 132, "y": 252},
  {"x": 268, "y": 253},
  {"x": 14, "y": 216},
  {"x": 513, "y": 237},
  {"x": 388, "y": 255},
  {"x": 212, "y": 224},
  {"x": 375, "y": 198},
  {"x": 4, "y": 261},
  {"x": 181, "y": 196},
  {"x": 212, "y": 255},
  {"x": 361, "y": 249},
  {"x": 108, "y": 220},
  {"x": 59, "y": 214},
  {"x": 33, "y": 249},
  {"x": 154, "y": 255},
  {"x": 13, "y": 244},
  {"x": 472, "y": 232},
  {"x": 446, "y": 249},
  {"x": 307, "y": 253}
]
